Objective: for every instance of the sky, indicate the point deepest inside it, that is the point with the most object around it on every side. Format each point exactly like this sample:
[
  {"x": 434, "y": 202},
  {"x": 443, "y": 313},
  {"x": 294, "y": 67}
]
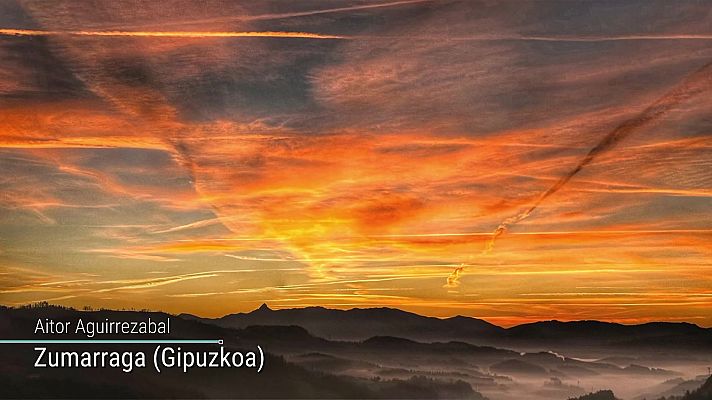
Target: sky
[{"x": 208, "y": 157}]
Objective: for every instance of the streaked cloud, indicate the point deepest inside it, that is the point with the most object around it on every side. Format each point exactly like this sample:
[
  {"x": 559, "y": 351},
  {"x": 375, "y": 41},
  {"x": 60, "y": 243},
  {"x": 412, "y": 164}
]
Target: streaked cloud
[{"x": 355, "y": 155}]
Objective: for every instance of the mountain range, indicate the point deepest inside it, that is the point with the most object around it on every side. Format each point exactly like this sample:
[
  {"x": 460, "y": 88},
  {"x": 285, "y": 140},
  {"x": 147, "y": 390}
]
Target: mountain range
[
  {"x": 363, "y": 323},
  {"x": 378, "y": 353}
]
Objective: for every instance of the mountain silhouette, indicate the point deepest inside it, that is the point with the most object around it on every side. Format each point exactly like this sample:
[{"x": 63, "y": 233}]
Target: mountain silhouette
[
  {"x": 364, "y": 323},
  {"x": 279, "y": 379},
  {"x": 424, "y": 360},
  {"x": 657, "y": 333}
]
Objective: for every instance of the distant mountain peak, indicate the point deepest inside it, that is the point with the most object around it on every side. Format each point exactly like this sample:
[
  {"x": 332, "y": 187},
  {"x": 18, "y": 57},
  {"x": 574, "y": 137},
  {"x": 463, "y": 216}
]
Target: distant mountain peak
[{"x": 264, "y": 307}]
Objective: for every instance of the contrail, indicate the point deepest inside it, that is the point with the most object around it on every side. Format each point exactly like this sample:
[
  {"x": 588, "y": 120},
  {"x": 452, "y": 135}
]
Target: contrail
[
  {"x": 310, "y": 35},
  {"x": 697, "y": 82},
  {"x": 277, "y": 16},
  {"x": 171, "y": 34},
  {"x": 568, "y": 38},
  {"x": 329, "y": 10},
  {"x": 540, "y": 38}
]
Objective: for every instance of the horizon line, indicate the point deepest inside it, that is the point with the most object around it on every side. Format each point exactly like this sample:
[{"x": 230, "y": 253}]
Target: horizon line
[
  {"x": 315, "y": 35},
  {"x": 264, "y": 305}
]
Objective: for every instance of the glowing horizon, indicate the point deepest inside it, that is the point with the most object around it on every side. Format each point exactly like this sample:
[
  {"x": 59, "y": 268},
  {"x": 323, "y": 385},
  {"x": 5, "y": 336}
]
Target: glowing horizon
[{"x": 177, "y": 169}]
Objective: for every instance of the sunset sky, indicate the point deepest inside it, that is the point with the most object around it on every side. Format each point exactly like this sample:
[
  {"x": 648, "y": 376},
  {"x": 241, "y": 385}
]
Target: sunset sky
[{"x": 207, "y": 157}]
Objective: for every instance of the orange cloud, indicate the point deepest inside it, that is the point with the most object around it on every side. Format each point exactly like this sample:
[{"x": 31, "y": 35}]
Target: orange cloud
[{"x": 181, "y": 166}]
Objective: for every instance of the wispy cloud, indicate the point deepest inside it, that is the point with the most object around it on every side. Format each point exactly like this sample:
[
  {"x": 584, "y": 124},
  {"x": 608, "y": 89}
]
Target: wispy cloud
[{"x": 356, "y": 155}]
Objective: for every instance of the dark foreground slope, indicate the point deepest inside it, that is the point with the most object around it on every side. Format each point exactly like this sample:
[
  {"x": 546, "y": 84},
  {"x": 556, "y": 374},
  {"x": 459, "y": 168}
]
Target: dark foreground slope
[
  {"x": 704, "y": 392},
  {"x": 600, "y": 395},
  {"x": 279, "y": 378}
]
